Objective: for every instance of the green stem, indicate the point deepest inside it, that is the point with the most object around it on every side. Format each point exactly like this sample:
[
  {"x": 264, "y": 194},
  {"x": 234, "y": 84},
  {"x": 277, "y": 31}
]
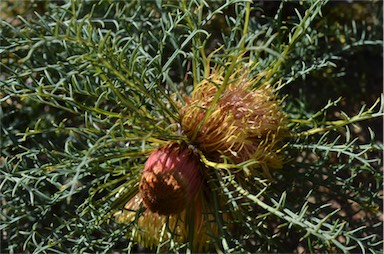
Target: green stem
[
  {"x": 297, "y": 220},
  {"x": 196, "y": 41},
  {"x": 299, "y": 31},
  {"x": 341, "y": 123},
  {"x": 246, "y": 24}
]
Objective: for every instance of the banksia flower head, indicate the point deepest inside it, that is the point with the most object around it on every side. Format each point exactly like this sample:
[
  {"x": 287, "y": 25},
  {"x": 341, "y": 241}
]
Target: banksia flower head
[
  {"x": 235, "y": 119},
  {"x": 171, "y": 190},
  {"x": 150, "y": 233},
  {"x": 171, "y": 179}
]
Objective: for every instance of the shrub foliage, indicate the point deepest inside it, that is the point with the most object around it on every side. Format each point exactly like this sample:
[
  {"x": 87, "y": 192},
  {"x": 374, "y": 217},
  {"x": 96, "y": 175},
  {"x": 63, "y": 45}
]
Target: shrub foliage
[{"x": 90, "y": 88}]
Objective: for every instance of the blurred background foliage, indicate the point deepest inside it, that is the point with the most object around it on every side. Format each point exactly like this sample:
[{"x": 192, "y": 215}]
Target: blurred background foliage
[{"x": 73, "y": 133}]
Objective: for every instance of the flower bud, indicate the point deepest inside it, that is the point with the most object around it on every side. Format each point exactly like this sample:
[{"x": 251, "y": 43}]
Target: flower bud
[{"x": 171, "y": 179}]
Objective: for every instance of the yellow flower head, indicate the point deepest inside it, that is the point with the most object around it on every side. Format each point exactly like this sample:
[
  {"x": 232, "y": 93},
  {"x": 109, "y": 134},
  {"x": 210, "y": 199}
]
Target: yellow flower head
[
  {"x": 241, "y": 122},
  {"x": 153, "y": 229}
]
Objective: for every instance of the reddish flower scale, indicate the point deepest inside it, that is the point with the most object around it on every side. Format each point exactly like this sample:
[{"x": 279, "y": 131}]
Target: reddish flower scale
[{"x": 171, "y": 179}]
